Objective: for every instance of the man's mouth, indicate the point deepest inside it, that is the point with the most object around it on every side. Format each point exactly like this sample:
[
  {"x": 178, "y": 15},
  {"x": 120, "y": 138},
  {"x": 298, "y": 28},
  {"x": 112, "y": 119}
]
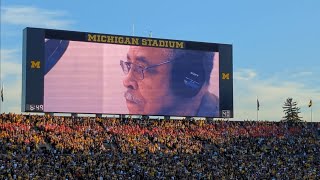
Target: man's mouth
[{"x": 131, "y": 98}]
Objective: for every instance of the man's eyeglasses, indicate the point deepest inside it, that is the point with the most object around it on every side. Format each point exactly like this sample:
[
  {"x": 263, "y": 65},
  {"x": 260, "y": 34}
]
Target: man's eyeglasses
[{"x": 137, "y": 70}]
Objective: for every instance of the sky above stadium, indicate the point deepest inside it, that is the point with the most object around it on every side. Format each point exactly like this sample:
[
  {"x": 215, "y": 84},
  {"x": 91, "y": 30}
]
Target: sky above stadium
[{"x": 276, "y": 44}]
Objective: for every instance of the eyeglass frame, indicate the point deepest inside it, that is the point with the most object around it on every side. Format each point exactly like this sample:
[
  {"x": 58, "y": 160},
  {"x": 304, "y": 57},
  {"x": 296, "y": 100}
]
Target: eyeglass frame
[{"x": 126, "y": 63}]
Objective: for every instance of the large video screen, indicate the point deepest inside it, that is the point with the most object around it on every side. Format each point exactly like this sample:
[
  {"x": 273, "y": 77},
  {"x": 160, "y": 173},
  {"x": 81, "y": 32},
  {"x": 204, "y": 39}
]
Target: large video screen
[{"x": 77, "y": 72}]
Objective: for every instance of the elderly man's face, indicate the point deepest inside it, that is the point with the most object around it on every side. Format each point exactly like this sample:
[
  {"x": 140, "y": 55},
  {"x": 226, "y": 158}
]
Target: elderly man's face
[{"x": 151, "y": 95}]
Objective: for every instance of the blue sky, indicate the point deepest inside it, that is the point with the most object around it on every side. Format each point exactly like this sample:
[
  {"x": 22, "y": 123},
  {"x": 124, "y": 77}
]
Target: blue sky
[{"x": 276, "y": 43}]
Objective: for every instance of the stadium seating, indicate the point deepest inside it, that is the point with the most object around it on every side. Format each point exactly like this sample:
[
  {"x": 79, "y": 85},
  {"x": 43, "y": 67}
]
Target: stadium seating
[{"x": 53, "y": 147}]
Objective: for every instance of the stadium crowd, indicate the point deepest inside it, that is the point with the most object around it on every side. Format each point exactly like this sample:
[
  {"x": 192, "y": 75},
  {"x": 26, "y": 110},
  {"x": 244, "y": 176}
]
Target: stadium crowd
[{"x": 55, "y": 147}]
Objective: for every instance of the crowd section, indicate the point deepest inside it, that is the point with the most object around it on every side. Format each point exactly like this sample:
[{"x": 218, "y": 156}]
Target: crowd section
[{"x": 47, "y": 147}]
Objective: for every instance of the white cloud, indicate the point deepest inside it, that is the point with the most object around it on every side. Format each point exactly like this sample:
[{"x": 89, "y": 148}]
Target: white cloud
[
  {"x": 34, "y": 17},
  {"x": 302, "y": 74},
  {"x": 272, "y": 93},
  {"x": 12, "y": 96},
  {"x": 245, "y": 74},
  {"x": 9, "y": 65},
  {"x": 11, "y": 68},
  {"x": 11, "y": 77},
  {"x": 8, "y": 53}
]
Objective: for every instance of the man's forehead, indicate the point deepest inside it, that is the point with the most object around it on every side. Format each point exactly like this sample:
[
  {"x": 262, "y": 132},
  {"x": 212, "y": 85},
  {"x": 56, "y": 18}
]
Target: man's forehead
[{"x": 150, "y": 51}]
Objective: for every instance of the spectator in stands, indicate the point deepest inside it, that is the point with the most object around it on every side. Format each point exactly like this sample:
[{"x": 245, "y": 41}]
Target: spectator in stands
[{"x": 164, "y": 81}]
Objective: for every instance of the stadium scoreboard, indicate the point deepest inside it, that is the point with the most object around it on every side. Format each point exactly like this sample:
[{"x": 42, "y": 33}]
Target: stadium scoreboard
[{"x": 84, "y": 72}]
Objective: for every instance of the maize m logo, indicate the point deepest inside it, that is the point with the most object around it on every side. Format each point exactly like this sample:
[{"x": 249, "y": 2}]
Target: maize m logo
[
  {"x": 225, "y": 76},
  {"x": 35, "y": 64}
]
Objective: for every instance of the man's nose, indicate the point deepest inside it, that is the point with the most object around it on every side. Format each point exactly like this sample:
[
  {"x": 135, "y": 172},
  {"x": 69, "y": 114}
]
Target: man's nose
[{"x": 130, "y": 81}]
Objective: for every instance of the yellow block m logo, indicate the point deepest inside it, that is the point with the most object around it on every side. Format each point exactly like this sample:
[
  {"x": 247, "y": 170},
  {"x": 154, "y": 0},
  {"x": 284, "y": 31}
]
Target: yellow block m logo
[
  {"x": 225, "y": 76},
  {"x": 35, "y": 64}
]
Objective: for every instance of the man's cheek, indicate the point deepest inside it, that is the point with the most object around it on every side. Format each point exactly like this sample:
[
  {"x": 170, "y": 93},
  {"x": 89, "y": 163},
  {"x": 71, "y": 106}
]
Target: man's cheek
[
  {"x": 146, "y": 84},
  {"x": 146, "y": 89}
]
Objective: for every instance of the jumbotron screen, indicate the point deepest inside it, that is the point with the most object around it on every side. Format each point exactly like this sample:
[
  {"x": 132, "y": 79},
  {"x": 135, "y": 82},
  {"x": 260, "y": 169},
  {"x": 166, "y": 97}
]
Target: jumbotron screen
[{"x": 83, "y": 72}]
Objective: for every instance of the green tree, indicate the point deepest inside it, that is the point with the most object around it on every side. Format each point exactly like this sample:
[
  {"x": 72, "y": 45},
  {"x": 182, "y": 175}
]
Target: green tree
[{"x": 291, "y": 111}]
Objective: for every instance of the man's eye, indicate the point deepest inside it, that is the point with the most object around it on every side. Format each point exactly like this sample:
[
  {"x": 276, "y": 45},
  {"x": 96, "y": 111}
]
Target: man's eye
[
  {"x": 141, "y": 66},
  {"x": 137, "y": 69}
]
